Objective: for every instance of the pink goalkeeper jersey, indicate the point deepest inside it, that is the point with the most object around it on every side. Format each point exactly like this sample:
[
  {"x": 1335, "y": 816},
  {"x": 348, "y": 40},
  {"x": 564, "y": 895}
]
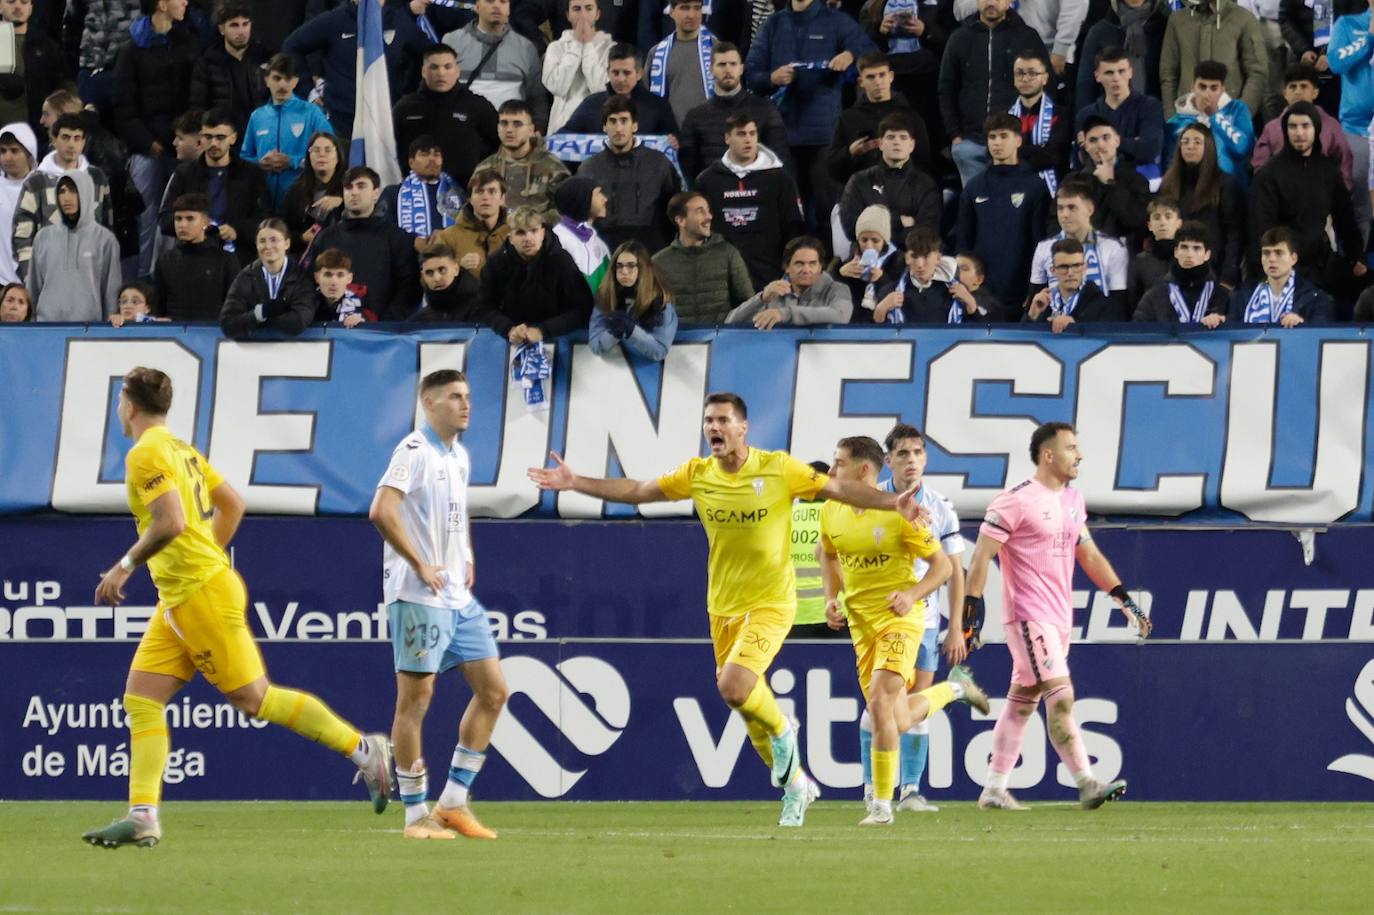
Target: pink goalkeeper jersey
[{"x": 1039, "y": 531}]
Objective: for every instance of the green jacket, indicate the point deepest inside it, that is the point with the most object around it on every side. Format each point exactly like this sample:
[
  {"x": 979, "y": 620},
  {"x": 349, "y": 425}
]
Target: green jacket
[
  {"x": 1221, "y": 31},
  {"x": 707, "y": 280},
  {"x": 529, "y": 181}
]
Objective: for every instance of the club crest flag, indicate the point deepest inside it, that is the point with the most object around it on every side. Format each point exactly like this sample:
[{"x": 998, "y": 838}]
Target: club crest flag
[{"x": 374, "y": 140}]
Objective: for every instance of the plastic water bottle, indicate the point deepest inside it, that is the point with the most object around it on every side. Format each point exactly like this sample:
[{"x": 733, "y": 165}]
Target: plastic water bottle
[{"x": 869, "y": 260}]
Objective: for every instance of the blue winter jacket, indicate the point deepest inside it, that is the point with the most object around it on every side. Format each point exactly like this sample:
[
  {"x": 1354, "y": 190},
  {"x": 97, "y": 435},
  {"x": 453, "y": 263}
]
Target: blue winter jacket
[
  {"x": 286, "y": 128},
  {"x": 811, "y": 105},
  {"x": 1233, "y": 130},
  {"x": 1349, "y": 59}
]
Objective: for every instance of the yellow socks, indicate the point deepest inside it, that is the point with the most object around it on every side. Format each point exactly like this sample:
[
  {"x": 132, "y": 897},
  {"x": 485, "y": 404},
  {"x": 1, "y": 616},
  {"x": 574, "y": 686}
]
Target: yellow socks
[
  {"x": 937, "y": 697},
  {"x": 148, "y": 748},
  {"x": 309, "y": 717},
  {"x": 885, "y": 773},
  {"x": 762, "y": 741},
  {"x": 762, "y": 708}
]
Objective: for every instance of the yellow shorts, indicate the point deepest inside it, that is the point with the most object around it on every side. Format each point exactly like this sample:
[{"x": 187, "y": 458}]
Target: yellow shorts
[
  {"x": 209, "y": 633},
  {"x": 751, "y": 640},
  {"x": 892, "y": 647}
]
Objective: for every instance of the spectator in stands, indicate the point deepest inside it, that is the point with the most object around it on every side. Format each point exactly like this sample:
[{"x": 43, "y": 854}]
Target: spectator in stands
[
  {"x": 876, "y": 266},
  {"x": 193, "y": 277},
  {"x": 37, "y": 206},
  {"x": 625, "y": 73},
  {"x": 463, "y": 122},
  {"x": 427, "y": 199},
  {"x": 530, "y": 171},
  {"x": 1059, "y": 24},
  {"x": 16, "y": 305},
  {"x": 1301, "y": 83},
  {"x": 1136, "y": 28},
  {"x": 730, "y": 20},
  {"x": 1105, "y": 259},
  {"x": 575, "y": 65},
  {"x": 922, "y": 294},
  {"x": 280, "y": 131},
  {"x": 910, "y": 195},
  {"x": 533, "y": 284},
  {"x": 1205, "y": 193},
  {"x": 802, "y": 52},
  {"x": 502, "y": 65},
  {"x": 1120, "y": 193},
  {"x": 755, "y": 196},
  {"x": 236, "y": 190},
  {"x": 481, "y": 229},
  {"x": 273, "y": 292},
  {"x": 1002, "y": 211},
  {"x": 638, "y": 180},
  {"x": 680, "y": 64},
  {"x": 912, "y": 36},
  {"x": 152, "y": 88},
  {"x": 74, "y": 274},
  {"x": 18, "y": 155},
  {"x": 313, "y": 200},
  {"x": 1220, "y": 31},
  {"x": 186, "y": 141},
  {"x": 382, "y": 255},
  {"x": 28, "y": 81},
  {"x": 1229, "y": 119},
  {"x": 1072, "y": 298},
  {"x": 854, "y": 146},
  {"x": 1046, "y": 132},
  {"x": 633, "y": 306},
  {"x": 1300, "y": 190},
  {"x": 581, "y": 202},
  {"x": 1189, "y": 293},
  {"x": 230, "y": 74},
  {"x": 703, "y": 130},
  {"x": 335, "y": 298},
  {"x": 805, "y": 294},
  {"x": 1351, "y": 59},
  {"x": 1150, "y": 267},
  {"x": 707, "y": 274},
  {"x": 331, "y": 38},
  {"x": 970, "y": 291},
  {"x": 1137, "y": 117},
  {"x": 136, "y": 305},
  {"x": 452, "y": 294},
  {"x": 976, "y": 78},
  {"x": 1282, "y": 297},
  {"x": 100, "y": 28}
]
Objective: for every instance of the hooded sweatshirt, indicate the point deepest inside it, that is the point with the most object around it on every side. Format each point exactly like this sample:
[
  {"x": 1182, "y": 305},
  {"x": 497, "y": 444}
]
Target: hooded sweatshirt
[
  {"x": 9, "y": 199},
  {"x": 1217, "y": 30},
  {"x": 74, "y": 275},
  {"x": 756, "y": 208},
  {"x": 1233, "y": 129},
  {"x": 37, "y": 205}
]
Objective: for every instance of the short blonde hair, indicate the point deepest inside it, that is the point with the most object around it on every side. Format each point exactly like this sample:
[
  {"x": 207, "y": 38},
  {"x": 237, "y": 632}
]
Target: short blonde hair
[{"x": 525, "y": 218}]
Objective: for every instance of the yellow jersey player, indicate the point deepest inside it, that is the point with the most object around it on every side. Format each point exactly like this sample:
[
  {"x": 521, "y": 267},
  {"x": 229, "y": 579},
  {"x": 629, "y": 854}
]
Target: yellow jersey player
[
  {"x": 870, "y": 556},
  {"x": 743, "y": 497},
  {"x": 186, "y": 514}
]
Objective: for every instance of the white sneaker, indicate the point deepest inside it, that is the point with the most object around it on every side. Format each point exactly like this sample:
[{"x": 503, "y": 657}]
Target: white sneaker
[
  {"x": 999, "y": 799},
  {"x": 913, "y": 802},
  {"x": 880, "y": 814},
  {"x": 868, "y": 798}
]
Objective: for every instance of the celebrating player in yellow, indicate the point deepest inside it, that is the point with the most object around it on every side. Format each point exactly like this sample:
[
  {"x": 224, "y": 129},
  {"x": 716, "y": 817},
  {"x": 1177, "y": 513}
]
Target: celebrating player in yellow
[
  {"x": 186, "y": 515},
  {"x": 870, "y": 556},
  {"x": 743, "y": 497}
]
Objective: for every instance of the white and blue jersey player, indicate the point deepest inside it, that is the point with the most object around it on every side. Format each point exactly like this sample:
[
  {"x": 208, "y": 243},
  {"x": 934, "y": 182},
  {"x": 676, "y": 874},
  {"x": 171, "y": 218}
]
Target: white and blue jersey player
[
  {"x": 421, "y": 510},
  {"x": 906, "y": 458}
]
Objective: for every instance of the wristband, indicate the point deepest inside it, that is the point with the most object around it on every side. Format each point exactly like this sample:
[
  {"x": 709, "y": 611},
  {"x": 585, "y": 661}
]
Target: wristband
[
  {"x": 126, "y": 563},
  {"x": 1121, "y": 594}
]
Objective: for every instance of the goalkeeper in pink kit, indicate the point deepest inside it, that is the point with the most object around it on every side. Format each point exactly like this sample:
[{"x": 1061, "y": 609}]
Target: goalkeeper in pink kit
[{"x": 1038, "y": 529}]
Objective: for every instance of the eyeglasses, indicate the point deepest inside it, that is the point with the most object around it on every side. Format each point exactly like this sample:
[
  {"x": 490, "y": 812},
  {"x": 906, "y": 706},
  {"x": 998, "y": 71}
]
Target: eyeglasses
[
  {"x": 633, "y": 265},
  {"x": 1068, "y": 268},
  {"x": 1018, "y": 74}
]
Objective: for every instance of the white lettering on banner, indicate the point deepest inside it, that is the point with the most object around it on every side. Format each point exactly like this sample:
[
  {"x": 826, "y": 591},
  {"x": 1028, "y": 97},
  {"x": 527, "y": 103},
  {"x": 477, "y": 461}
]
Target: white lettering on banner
[
  {"x": 92, "y": 368},
  {"x": 715, "y": 759},
  {"x": 1107, "y": 377},
  {"x": 1360, "y": 764},
  {"x": 43, "y": 591},
  {"x": 1252, "y": 436},
  {"x": 953, "y": 423},
  {"x": 609, "y": 412},
  {"x": 244, "y": 430},
  {"x": 823, "y": 710},
  {"x": 823, "y": 369},
  {"x": 591, "y": 731}
]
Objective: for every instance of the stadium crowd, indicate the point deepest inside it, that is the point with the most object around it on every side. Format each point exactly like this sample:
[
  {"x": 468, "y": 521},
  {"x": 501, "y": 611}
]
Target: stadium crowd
[{"x": 627, "y": 166}]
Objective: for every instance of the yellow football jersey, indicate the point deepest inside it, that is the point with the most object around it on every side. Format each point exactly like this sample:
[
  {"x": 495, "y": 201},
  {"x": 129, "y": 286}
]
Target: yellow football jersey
[
  {"x": 748, "y": 521},
  {"x": 159, "y": 463},
  {"x": 877, "y": 552}
]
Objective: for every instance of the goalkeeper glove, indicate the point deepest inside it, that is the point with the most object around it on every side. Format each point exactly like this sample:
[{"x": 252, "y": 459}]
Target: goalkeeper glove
[
  {"x": 1142, "y": 622},
  {"x": 973, "y": 622}
]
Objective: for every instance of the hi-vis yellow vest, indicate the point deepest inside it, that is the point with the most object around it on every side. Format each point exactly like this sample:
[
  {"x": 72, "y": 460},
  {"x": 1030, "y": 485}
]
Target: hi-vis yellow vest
[{"x": 806, "y": 537}]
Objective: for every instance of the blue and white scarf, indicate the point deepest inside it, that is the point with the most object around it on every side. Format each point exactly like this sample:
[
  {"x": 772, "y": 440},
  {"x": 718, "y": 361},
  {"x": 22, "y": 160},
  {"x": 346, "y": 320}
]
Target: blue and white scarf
[
  {"x": 1192, "y": 315},
  {"x": 1092, "y": 264},
  {"x": 956, "y": 307},
  {"x": 1321, "y": 22},
  {"x": 1061, "y": 306},
  {"x": 658, "y": 63},
  {"x": 778, "y": 97},
  {"x": 579, "y": 147},
  {"x": 427, "y": 27},
  {"x": 1262, "y": 309},
  {"x": 350, "y": 304},
  {"x": 1040, "y": 135},
  {"x": 413, "y": 210},
  {"x": 274, "y": 281},
  {"x": 530, "y": 365},
  {"x": 906, "y": 44}
]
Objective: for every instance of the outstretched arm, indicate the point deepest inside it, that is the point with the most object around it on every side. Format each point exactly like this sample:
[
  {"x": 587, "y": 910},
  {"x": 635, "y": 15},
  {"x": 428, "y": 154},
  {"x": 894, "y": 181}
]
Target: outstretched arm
[
  {"x": 861, "y": 495},
  {"x": 560, "y": 478}
]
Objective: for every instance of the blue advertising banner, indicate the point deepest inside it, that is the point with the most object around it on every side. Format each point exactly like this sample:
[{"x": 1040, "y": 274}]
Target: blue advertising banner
[
  {"x": 641, "y": 720},
  {"x": 1172, "y": 424}
]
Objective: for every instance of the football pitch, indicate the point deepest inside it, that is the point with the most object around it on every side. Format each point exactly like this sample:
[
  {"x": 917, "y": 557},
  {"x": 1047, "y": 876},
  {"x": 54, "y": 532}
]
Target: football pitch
[{"x": 698, "y": 857}]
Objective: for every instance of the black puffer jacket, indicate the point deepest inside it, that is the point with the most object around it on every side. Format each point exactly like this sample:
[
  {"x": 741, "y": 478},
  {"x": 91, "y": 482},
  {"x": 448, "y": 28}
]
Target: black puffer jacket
[
  {"x": 547, "y": 291},
  {"x": 45, "y": 71},
  {"x": 290, "y": 312},
  {"x": 246, "y": 198},
  {"x": 975, "y": 75},
  {"x": 384, "y": 262},
  {"x": 153, "y": 84},
  {"x": 191, "y": 280},
  {"x": 238, "y": 86},
  {"x": 461, "y": 121},
  {"x": 638, "y": 185}
]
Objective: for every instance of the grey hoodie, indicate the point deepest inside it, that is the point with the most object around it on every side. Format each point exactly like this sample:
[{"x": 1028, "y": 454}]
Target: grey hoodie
[
  {"x": 827, "y": 302},
  {"x": 74, "y": 274}
]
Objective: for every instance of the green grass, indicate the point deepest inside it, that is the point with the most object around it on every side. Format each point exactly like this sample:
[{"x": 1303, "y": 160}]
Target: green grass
[{"x": 699, "y": 857}]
